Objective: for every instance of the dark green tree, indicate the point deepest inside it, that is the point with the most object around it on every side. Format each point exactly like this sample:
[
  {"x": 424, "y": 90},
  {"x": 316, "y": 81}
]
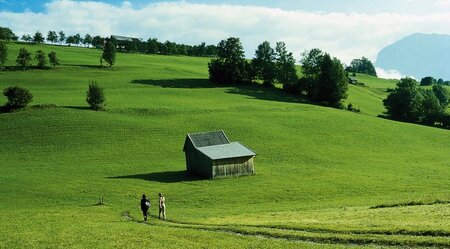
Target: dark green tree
[
  {"x": 362, "y": 65},
  {"x": 264, "y": 64},
  {"x": 3, "y": 54},
  {"x": 6, "y": 34},
  {"x": 443, "y": 95},
  {"x": 17, "y": 97},
  {"x": 286, "y": 73},
  {"x": 97, "y": 41},
  {"x": 41, "y": 59},
  {"x": 310, "y": 63},
  {"x": 95, "y": 96},
  {"x": 23, "y": 58},
  {"x": 332, "y": 84},
  {"x": 62, "y": 37},
  {"x": 52, "y": 36},
  {"x": 109, "y": 52},
  {"x": 405, "y": 102},
  {"x": 77, "y": 39},
  {"x": 70, "y": 39},
  {"x": 230, "y": 65},
  {"x": 26, "y": 38},
  {"x": 54, "y": 61},
  {"x": 87, "y": 41},
  {"x": 427, "y": 81},
  {"x": 38, "y": 38},
  {"x": 431, "y": 109},
  {"x": 152, "y": 46}
]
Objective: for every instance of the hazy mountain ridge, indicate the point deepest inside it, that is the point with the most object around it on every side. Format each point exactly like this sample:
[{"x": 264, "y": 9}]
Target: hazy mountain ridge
[{"x": 418, "y": 55}]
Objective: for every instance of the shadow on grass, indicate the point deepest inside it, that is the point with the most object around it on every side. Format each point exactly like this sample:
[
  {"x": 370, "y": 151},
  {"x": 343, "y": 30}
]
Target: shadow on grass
[
  {"x": 18, "y": 68},
  {"x": 179, "y": 83},
  {"x": 265, "y": 93},
  {"x": 77, "y": 107},
  {"x": 165, "y": 177},
  {"x": 87, "y": 66},
  {"x": 255, "y": 91}
]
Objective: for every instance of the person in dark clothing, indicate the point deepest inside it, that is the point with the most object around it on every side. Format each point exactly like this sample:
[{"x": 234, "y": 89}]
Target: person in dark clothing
[{"x": 145, "y": 205}]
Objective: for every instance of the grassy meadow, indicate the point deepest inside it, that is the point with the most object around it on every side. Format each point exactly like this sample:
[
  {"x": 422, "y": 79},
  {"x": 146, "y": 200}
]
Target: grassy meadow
[{"x": 320, "y": 171}]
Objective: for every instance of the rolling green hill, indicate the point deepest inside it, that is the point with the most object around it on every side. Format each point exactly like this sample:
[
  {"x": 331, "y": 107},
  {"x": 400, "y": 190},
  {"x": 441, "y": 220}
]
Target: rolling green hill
[{"x": 319, "y": 170}]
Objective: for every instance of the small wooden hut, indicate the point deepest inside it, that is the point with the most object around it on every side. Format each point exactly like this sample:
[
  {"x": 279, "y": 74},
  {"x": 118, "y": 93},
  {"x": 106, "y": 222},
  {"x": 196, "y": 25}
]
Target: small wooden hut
[{"x": 212, "y": 155}]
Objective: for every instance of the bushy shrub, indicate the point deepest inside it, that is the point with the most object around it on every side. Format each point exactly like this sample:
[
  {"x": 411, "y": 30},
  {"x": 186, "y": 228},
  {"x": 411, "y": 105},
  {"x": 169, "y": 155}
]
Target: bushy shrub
[
  {"x": 95, "y": 96},
  {"x": 17, "y": 97}
]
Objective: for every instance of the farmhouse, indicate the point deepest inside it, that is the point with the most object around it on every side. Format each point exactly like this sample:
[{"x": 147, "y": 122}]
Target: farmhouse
[{"x": 212, "y": 155}]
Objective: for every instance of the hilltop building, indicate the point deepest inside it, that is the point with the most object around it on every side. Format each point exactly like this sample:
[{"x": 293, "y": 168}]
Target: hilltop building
[{"x": 212, "y": 155}]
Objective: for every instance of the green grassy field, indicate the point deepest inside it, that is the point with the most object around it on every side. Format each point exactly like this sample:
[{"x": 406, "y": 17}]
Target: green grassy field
[{"x": 319, "y": 170}]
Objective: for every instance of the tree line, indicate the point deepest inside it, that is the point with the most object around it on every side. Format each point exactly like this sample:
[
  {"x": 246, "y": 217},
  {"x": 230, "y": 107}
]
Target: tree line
[
  {"x": 323, "y": 80},
  {"x": 132, "y": 45},
  {"x": 411, "y": 103}
]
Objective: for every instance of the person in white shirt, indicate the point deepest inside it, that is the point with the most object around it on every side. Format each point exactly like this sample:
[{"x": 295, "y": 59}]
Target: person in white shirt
[{"x": 162, "y": 206}]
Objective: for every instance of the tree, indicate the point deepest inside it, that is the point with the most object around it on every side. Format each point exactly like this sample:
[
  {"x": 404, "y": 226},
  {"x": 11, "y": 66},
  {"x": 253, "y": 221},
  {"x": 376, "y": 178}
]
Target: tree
[
  {"x": 427, "y": 81},
  {"x": 310, "y": 62},
  {"x": 38, "y": 38},
  {"x": 6, "y": 34},
  {"x": 77, "y": 39},
  {"x": 95, "y": 96},
  {"x": 152, "y": 46},
  {"x": 97, "y": 41},
  {"x": 87, "y": 40},
  {"x": 230, "y": 65},
  {"x": 3, "y": 54},
  {"x": 26, "y": 38},
  {"x": 264, "y": 64},
  {"x": 62, "y": 37},
  {"x": 332, "y": 84},
  {"x": 324, "y": 78},
  {"x": 17, "y": 97},
  {"x": 404, "y": 103},
  {"x": 54, "y": 61},
  {"x": 52, "y": 36},
  {"x": 443, "y": 95},
  {"x": 430, "y": 107},
  {"x": 362, "y": 65},
  {"x": 40, "y": 57},
  {"x": 23, "y": 58},
  {"x": 285, "y": 66},
  {"x": 70, "y": 40},
  {"x": 109, "y": 52}
]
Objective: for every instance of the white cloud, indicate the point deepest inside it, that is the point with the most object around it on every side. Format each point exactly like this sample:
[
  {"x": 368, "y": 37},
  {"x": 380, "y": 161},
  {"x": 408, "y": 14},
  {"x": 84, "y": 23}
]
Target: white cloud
[
  {"x": 345, "y": 36},
  {"x": 443, "y": 4},
  {"x": 389, "y": 74}
]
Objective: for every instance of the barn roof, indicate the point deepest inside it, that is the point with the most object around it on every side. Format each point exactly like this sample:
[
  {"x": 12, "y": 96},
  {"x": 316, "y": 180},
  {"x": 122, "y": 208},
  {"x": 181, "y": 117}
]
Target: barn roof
[
  {"x": 204, "y": 139},
  {"x": 229, "y": 150},
  {"x": 123, "y": 38}
]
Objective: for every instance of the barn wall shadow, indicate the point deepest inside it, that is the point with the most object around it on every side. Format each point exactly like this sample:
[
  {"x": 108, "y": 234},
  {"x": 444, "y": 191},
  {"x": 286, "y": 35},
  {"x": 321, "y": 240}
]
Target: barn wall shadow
[{"x": 165, "y": 177}]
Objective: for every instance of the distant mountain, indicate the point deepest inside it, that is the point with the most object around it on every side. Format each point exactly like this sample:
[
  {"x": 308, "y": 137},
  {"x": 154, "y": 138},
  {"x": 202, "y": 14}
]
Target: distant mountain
[{"x": 418, "y": 55}]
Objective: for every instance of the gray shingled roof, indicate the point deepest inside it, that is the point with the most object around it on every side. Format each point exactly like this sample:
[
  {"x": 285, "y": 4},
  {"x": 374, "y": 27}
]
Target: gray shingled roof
[
  {"x": 230, "y": 150},
  {"x": 123, "y": 38},
  {"x": 211, "y": 138}
]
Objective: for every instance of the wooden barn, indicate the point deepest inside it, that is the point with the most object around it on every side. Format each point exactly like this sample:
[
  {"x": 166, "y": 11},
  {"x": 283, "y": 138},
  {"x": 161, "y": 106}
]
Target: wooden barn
[{"x": 212, "y": 155}]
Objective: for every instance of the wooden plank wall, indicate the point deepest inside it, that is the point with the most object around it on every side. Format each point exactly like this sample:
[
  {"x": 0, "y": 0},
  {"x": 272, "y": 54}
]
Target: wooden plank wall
[{"x": 230, "y": 167}]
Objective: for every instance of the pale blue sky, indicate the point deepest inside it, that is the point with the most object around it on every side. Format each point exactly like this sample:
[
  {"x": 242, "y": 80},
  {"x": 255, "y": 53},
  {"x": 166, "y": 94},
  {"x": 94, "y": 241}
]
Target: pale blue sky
[
  {"x": 346, "y": 29},
  {"x": 345, "y": 6}
]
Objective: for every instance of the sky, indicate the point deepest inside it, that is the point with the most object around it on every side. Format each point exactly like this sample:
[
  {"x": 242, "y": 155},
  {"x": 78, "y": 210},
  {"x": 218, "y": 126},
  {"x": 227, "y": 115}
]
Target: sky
[{"x": 346, "y": 29}]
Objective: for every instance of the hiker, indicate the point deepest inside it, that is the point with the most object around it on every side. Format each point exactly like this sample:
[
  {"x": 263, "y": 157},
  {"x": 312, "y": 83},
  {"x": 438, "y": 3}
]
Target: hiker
[
  {"x": 145, "y": 205},
  {"x": 162, "y": 206}
]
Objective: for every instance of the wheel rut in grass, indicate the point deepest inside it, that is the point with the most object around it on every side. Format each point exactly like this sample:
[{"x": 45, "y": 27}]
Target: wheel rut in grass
[{"x": 321, "y": 236}]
